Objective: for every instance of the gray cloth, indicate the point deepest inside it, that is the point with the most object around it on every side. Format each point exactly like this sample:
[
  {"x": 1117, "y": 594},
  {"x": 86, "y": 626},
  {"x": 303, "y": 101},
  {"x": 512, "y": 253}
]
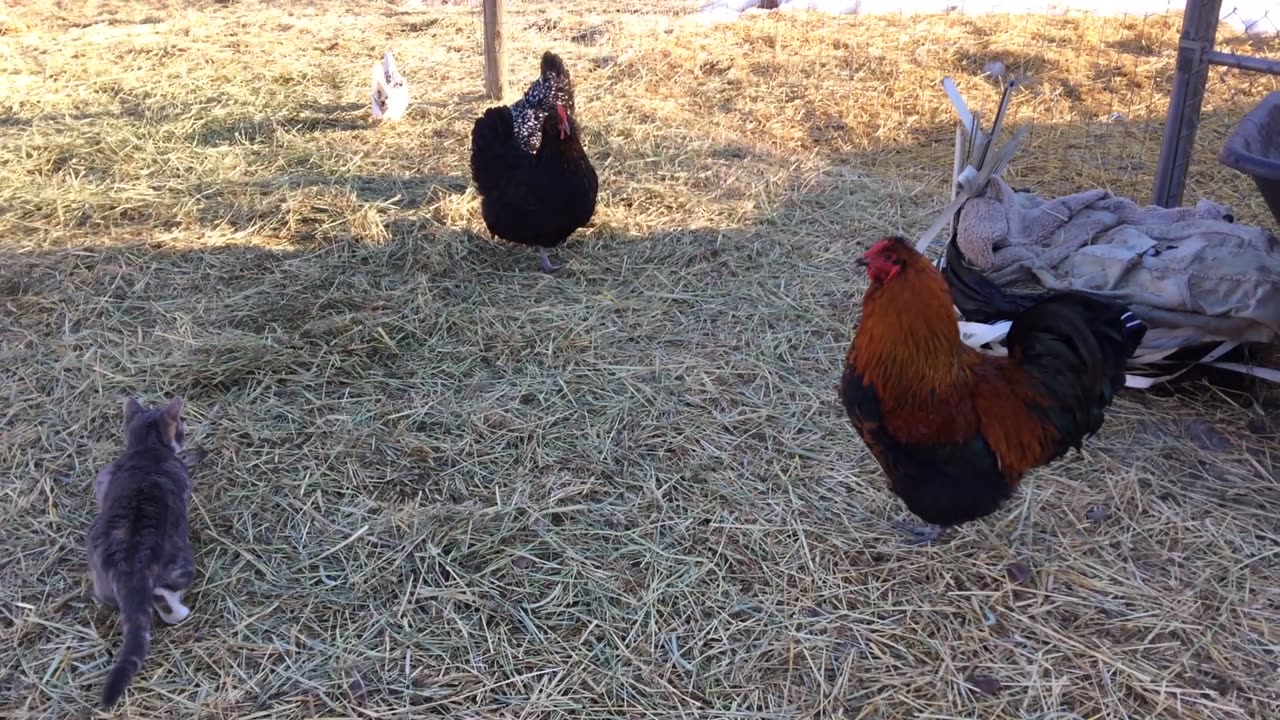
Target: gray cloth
[{"x": 1186, "y": 269}]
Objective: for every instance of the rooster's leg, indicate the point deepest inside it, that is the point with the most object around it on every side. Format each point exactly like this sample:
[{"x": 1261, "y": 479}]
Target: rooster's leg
[
  {"x": 544, "y": 262},
  {"x": 921, "y": 533}
]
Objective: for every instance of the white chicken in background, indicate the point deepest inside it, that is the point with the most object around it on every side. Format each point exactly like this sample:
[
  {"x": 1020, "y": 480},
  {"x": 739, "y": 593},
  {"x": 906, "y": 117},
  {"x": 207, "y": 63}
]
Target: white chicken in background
[{"x": 390, "y": 91}]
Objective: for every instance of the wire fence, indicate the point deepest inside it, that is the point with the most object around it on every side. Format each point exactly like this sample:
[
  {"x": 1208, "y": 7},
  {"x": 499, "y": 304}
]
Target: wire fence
[{"x": 1098, "y": 77}]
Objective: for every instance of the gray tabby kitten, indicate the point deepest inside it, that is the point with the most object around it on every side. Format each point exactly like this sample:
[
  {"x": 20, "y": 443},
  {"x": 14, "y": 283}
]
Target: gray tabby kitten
[{"x": 139, "y": 544}]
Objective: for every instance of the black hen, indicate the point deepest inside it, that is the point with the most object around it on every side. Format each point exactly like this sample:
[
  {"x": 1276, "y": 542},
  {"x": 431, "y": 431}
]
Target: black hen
[{"x": 535, "y": 189}]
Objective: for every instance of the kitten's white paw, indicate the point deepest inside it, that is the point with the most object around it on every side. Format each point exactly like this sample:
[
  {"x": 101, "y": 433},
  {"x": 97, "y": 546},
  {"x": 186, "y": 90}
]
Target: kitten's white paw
[
  {"x": 172, "y": 611},
  {"x": 179, "y": 614}
]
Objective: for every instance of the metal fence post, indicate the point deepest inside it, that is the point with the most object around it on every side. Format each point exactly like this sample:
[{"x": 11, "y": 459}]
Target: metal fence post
[{"x": 1199, "y": 30}]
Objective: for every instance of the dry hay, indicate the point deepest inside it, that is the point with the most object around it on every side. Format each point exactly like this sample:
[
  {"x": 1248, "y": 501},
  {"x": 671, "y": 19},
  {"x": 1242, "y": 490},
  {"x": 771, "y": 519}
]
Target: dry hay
[{"x": 438, "y": 482}]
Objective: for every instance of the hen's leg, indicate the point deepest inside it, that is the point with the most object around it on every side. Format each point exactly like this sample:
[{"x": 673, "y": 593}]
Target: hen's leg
[
  {"x": 921, "y": 533},
  {"x": 544, "y": 262}
]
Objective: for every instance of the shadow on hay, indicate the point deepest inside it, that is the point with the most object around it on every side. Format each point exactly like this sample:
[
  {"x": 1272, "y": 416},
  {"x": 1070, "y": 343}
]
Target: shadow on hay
[
  {"x": 819, "y": 203},
  {"x": 250, "y": 295},
  {"x": 258, "y": 130},
  {"x": 390, "y": 386},
  {"x": 229, "y": 324},
  {"x": 132, "y": 111},
  {"x": 138, "y": 107},
  {"x": 407, "y": 192}
]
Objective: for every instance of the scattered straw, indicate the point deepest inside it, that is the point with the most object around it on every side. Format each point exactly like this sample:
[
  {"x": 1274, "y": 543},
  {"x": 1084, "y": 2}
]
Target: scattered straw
[{"x": 438, "y": 482}]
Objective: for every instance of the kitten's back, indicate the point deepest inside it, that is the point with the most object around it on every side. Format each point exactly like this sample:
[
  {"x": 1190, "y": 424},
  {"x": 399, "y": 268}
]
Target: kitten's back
[{"x": 139, "y": 541}]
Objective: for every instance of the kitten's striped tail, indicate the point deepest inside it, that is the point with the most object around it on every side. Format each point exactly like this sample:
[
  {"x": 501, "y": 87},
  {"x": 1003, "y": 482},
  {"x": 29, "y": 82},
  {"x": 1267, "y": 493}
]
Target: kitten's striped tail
[{"x": 135, "y": 611}]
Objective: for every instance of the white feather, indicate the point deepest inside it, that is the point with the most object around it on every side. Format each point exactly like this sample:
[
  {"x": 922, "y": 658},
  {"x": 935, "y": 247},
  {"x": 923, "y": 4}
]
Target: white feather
[{"x": 390, "y": 90}]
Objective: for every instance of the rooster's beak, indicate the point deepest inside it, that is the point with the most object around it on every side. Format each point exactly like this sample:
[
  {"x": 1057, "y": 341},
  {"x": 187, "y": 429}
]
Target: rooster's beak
[{"x": 861, "y": 262}]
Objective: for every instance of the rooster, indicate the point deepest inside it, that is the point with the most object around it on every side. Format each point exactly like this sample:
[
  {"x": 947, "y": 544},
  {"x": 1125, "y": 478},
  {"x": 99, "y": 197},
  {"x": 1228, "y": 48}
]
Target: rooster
[
  {"x": 536, "y": 184},
  {"x": 955, "y": 429}
]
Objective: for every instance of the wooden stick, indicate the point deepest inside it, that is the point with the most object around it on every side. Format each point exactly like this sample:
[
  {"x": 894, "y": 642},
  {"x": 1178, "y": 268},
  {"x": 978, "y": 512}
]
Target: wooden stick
[{"x": 495, "y": 65}]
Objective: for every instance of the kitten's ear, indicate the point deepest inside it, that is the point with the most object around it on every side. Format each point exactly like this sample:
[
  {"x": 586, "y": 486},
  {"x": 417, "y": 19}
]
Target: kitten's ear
[
  {"x": 171, "y": 422},
  {"x": 173, "y": 411},
  {"x": 131, "y": 409}
]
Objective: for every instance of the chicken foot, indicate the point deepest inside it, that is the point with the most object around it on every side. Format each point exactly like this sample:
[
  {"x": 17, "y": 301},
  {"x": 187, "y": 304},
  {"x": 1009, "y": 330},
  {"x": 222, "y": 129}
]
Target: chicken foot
[
  {"x": 921, "y": 533},
  {"x": 544, "y": 262}
]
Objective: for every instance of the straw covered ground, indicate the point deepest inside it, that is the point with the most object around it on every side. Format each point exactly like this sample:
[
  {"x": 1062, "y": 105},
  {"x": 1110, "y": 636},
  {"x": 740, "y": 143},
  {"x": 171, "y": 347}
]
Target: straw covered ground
[{"x": 432, "y": 481}]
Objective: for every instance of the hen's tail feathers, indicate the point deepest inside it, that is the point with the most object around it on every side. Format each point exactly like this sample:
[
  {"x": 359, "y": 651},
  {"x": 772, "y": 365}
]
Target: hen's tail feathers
[
  {"x": 976, "y": 297},
  {"x": 135, "y": 611},
  {"x": 1114, "y": 332},
  {"x": 385, "y": 75},
  {"x": 389, "y": 68},
  {"x": 494, "y": 150},
  {"x": 1118, "y": 330},
  {"x": 553, "y": 65}
]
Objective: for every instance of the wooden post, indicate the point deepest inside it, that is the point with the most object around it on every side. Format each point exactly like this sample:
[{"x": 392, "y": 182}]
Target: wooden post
[{"x": 495, "y": 65}]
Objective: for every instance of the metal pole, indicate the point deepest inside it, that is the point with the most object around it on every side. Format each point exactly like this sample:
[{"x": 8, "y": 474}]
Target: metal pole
[
  {"x": 495, "y": 65},
  {"x": 1243, "y": 62},
  {"x": 1199, "y": 30}
]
